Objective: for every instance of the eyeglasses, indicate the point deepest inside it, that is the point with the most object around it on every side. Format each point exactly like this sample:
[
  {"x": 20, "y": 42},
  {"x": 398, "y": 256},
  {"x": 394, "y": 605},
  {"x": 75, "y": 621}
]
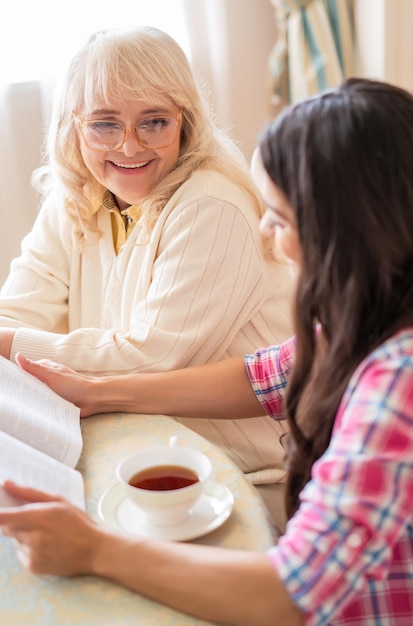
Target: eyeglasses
[{"x": 151, "y": 132}]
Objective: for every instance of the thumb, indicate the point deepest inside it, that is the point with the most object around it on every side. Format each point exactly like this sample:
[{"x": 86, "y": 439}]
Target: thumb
[{"x": 26, "y": 364}]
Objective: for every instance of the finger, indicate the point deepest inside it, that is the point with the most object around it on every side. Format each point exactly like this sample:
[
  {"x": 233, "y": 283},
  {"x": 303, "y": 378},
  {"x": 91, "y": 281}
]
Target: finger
[
  {"x": 14, "y": 521},
  {"x": 37, "y": 368},
  {"x": 42, "y": 364},
  {"x": 28, "y": 493},
  {"x": 23, "y": 362}
]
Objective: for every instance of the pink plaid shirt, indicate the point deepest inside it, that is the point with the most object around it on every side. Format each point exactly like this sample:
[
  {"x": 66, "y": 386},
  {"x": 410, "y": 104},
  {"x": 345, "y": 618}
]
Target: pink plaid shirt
[{"x": 347, "y": 555}]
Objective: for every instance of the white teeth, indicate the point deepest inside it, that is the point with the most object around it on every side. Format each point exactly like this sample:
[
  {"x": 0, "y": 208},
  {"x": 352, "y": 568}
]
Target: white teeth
[{"x": 131, "y": 166}]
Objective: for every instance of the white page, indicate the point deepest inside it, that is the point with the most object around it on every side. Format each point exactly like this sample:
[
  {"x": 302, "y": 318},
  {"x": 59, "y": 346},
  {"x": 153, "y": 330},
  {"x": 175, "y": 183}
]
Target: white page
[
  {"x": 30, "y": 468},
  {"x": 32, "y": 412}
]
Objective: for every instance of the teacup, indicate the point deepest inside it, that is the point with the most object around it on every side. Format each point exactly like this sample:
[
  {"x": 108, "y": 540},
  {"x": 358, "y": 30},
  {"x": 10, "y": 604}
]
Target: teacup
[{"x": 165, "y": 482}]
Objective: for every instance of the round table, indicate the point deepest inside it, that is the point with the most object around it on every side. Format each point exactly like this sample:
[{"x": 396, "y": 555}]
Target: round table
[{"x": 29, "y": 600}]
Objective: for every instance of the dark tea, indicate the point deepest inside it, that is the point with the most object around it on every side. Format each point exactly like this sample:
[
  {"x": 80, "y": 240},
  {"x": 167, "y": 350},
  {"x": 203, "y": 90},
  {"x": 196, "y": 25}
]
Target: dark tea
[{"x": 164, "y": 478}]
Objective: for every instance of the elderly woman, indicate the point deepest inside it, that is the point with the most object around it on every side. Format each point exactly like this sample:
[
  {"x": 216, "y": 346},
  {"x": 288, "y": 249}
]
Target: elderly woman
[{"x": 146, "y": 254}]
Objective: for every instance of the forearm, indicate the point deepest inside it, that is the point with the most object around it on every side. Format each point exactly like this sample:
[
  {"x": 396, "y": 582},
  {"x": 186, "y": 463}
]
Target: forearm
[
  {"x": 227, "y": 586},
  {"x": 215, "y": 390}
]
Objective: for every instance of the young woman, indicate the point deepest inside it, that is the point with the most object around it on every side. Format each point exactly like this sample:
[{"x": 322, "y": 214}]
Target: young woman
[
  {"x": 338, "y": 185},
  {"x": 146, "y": 254}
]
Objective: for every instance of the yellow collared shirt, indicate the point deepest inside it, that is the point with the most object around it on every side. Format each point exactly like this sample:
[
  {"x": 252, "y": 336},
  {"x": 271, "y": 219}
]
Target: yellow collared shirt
[{"x": 122, "y": 221}]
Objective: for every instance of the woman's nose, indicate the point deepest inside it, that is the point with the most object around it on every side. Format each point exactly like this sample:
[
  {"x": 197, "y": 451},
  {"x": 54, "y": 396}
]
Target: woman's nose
[{"x": 131, "y": 143}]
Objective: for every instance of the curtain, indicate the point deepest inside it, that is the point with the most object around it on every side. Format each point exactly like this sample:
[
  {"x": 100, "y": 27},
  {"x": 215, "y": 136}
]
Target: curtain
[
  {"x": 315, "y": 48},
  {"x": 230, "y": 41}
]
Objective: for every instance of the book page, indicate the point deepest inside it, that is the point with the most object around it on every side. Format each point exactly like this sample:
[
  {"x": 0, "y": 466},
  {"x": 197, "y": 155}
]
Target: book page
[
  {"x": 32, "y": 412},
  {"x": 28, "y": 467}
]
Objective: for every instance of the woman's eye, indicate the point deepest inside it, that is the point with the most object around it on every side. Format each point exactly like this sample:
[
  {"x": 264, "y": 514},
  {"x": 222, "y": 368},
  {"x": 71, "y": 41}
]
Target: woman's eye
[
  {"x": 105, "y": 128},
  {"x": 273, "y": 221},
  {"x": 153, "y": 124}
]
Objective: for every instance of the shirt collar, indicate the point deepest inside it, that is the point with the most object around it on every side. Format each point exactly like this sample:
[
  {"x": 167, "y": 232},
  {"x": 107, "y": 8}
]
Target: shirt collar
[{"x": 110, "y": 204}]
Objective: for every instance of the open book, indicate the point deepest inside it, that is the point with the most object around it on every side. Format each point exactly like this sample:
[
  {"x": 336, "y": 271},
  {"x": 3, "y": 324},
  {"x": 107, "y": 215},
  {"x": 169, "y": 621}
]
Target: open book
[{"x": 40, "y": 437}]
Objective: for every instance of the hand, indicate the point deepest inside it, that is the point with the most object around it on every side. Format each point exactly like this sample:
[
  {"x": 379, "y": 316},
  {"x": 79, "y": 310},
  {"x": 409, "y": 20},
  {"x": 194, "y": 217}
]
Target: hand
[
  {"x": 52, "y": 536},
  {"x": 63, "y": 380},
  {"x": 6, "y": 341}
]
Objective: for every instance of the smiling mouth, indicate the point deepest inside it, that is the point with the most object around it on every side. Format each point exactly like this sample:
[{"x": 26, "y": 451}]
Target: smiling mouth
[{"x": 130, "y": 166}]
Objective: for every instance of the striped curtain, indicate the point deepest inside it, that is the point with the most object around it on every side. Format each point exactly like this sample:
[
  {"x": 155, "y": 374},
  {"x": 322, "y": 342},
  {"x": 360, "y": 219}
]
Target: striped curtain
[{"x": 315, "y": 48}]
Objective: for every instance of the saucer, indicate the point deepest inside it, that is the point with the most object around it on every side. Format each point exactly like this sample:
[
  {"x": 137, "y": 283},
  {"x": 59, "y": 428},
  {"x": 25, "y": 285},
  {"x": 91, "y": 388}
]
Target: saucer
[{"x": 211, "y": 510}]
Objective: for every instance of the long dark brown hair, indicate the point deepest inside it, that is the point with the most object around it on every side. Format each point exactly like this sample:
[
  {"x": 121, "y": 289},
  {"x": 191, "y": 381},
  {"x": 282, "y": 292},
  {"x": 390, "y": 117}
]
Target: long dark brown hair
[{"x": 344, "y": 160}]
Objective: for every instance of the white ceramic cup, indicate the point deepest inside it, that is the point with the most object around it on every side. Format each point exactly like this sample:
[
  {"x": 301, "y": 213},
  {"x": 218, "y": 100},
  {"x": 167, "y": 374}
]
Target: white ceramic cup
[{"x": 172, "y": 506}]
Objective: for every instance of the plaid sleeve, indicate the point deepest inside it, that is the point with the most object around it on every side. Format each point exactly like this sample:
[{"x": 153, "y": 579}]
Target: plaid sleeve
[
  {"x": 268, "y": 370},
  {"x": 340, "y": 550}
]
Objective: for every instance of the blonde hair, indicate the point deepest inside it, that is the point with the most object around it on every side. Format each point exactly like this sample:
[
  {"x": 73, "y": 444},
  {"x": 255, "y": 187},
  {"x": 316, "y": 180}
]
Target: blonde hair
[{"x": 147, "y": 64}]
